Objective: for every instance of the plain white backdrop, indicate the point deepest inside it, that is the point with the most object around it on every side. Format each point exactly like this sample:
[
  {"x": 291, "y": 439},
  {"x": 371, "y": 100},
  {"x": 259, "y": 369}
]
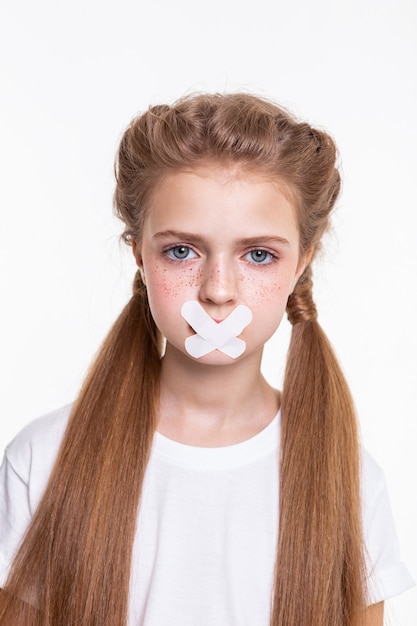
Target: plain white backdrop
[{"x": 72, "y": 75}]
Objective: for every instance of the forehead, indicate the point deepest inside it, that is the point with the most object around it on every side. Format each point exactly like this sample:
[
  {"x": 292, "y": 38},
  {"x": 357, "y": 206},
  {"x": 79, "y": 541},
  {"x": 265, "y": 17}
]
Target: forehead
[{"x": 213, "y": 197}]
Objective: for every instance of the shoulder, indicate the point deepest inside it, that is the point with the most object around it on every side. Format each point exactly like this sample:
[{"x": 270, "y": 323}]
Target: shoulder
[
  {"x": 24, "y": 474},
  {"x": 37, "y": 444}
]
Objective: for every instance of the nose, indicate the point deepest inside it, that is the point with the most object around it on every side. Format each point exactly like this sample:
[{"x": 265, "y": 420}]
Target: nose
[{"x": 219, "y": 282}]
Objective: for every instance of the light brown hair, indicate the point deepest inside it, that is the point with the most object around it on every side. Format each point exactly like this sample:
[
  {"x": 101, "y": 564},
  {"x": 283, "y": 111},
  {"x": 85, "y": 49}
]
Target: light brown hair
[{"x": 63, "y": 566}]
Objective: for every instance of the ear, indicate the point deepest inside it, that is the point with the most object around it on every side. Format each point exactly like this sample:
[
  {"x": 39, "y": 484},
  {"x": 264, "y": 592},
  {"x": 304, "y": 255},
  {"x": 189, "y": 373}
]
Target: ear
[
  {"x": 303, "y": 262},
  {"x": 139, "y": 262}
]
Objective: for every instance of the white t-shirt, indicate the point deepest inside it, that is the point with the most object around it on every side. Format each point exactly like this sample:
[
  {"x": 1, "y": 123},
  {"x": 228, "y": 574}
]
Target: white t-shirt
[{"x": 205, "y": 547}]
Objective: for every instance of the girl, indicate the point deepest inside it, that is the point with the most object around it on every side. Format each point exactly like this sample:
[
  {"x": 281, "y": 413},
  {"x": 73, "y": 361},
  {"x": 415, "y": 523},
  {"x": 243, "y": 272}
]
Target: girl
[{"x": 180, "y": 488}]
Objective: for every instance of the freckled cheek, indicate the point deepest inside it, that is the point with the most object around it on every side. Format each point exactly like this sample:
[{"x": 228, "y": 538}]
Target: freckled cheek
[
  {"x": 167, "y": 285},
  {"x": 267, "y": 301},
  {"x": 263, "y": 291}
]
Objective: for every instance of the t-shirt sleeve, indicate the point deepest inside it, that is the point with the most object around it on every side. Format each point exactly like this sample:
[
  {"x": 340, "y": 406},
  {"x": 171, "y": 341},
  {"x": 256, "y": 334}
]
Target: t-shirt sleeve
[
  {"x": 15, "y": 515},
  {"x": 387, "y": 574},
  {"x": 24, "y": 474}
]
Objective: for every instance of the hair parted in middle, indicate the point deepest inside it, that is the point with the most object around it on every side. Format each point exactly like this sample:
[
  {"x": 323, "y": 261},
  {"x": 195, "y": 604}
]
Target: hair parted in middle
[{"x": 319, "y": 576}]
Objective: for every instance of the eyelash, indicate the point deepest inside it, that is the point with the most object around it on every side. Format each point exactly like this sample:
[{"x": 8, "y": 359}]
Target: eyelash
[{"x": 270, "y": 256}]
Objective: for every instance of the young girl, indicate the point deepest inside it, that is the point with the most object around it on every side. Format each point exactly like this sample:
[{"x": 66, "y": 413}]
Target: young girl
[{"x": 180, "y": 488}]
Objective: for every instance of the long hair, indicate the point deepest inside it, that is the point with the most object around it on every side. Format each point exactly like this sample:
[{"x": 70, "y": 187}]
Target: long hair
[{"x": 62, "y": 568}]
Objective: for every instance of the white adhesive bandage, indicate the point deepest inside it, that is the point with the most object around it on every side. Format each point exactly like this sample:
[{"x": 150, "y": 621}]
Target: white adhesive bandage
[{"x": 212, "y": 336}]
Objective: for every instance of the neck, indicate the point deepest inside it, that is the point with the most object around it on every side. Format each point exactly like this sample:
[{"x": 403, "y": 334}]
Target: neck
[{"x": 213, "y": 405}]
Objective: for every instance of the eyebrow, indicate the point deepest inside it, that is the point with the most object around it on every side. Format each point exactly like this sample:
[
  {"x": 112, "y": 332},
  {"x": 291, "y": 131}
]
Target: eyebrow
[{"x": 246, "y": 241}]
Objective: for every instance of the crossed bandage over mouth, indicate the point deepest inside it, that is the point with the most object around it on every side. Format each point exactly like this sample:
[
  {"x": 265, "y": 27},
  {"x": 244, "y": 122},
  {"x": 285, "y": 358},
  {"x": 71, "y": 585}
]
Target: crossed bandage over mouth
[{"x": 212, "y": 335}]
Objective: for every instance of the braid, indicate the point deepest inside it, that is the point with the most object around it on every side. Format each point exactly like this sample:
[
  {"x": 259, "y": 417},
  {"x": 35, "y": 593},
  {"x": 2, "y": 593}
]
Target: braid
[
  {"x": 138, "y": 287},
  {"x": 300, "y": 305}
]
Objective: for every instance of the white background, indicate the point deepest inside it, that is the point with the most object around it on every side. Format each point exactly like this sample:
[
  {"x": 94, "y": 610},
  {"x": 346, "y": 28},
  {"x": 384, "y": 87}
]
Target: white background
[{"x": 73, "y": 75}]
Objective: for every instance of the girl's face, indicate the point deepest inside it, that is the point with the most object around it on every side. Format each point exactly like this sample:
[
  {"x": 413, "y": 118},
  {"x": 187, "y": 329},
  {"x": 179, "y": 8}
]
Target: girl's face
[{"x": 221, "y": 237}]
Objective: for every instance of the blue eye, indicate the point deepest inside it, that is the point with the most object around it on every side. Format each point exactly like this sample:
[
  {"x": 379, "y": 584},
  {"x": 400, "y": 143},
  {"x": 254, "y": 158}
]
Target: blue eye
[
  {"x": 259, "y": 256},
  {"x": 181, "y": 253}
]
